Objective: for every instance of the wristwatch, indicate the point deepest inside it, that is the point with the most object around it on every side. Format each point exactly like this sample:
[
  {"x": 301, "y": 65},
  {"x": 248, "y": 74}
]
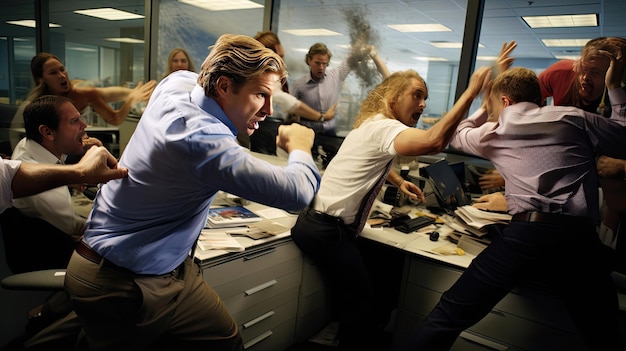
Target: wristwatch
[{"x": 321, "y": 118}]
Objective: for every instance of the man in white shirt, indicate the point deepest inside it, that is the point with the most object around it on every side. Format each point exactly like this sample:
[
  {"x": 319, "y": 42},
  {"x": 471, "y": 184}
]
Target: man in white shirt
[{"x": 54, "y": 129}]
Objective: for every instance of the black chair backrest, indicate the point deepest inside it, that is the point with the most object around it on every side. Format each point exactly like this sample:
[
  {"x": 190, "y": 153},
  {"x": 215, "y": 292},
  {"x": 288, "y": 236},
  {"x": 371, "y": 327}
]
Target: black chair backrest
[{"x": 32, "y": 244}]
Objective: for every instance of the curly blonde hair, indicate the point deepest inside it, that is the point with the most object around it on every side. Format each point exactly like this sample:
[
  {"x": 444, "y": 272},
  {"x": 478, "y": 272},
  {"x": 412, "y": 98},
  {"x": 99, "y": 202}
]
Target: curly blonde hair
[{"x": 381, "y": 98}]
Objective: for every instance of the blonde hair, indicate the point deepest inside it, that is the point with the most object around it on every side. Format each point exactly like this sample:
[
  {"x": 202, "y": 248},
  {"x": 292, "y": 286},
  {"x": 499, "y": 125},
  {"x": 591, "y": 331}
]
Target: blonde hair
[
  {"x": 170, "y": 58},
  {"x": 240, "y": 58},
  {"x": 382, "y": 97}
]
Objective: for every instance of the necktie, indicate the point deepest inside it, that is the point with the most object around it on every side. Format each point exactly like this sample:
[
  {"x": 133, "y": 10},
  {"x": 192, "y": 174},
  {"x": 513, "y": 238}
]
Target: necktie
[{"x": 368, "y": 200}]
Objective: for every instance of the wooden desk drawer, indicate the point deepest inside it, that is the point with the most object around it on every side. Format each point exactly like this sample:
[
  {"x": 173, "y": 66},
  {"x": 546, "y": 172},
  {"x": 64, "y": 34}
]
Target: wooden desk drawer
[{"x": 246, "y": 263}]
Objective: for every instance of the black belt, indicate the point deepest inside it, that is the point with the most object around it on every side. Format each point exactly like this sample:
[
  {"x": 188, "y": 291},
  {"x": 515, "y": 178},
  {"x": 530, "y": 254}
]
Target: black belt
[
  {"x": 323, "y": 217},
  {"x": 545, "y": 217}
]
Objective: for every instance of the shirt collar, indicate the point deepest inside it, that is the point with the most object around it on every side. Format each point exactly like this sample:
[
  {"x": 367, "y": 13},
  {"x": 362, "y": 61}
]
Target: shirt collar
[
  {"x": 210, "y": 106},
  {"x": 41, "y": 154},
  {"x": 311, "y": 80}
]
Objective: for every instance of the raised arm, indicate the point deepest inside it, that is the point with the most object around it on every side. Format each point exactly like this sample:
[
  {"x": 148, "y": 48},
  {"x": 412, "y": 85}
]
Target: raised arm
[
  {"x": 378, "y": 61},
  {"x": 100, "y": 98},
  {"x": 414, "y": 141}
]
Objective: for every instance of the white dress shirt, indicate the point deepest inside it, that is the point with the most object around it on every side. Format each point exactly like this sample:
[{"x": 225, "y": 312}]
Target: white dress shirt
[{"x": 53, "y": 206}]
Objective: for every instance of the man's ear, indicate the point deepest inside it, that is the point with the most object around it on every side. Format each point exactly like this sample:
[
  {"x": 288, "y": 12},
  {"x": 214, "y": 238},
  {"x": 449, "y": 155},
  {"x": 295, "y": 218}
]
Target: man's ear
[
  {"x": 506, "y": 101},
  {"x": 222, "y": 85},
  {"x": 46, "y": 132}
]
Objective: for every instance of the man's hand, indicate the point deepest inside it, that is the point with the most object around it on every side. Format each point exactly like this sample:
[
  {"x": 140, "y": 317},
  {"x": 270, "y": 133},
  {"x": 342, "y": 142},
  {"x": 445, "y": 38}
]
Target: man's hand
[
  {"x": 491, "y": 202},
  {"x": 412, "y": 191},
  {"x": 330, "y": 114},
  {"x": 504, "y": 61},
  {"x": 613, "y": 77},
  {"x": 611, "y": 167},
  {"x": 295, "y": 137},
  {"x": 99, "y": 166},
  {"x": 88, "y": 142},
  {"x": 490, "y": 180}
]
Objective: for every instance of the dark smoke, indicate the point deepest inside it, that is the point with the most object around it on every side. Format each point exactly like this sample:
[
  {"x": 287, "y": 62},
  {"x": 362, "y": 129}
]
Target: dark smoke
[{"x": 362, "y": 34}]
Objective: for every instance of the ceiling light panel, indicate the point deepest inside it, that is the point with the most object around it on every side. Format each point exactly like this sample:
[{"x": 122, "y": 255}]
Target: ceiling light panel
[
  {"x": 413, "y": 28},
  {"x": 586, "y": 20},
  {"x": 313, "y": 32},
  {"x": 31, "y": 23},
  {"x": 109, "y": 14},
  {"x": 565, "y": 42},
  {"x": 223, "y": 5}
]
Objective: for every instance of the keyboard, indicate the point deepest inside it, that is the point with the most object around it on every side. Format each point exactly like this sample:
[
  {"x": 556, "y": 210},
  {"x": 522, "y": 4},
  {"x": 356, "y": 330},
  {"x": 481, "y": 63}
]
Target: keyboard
[{"x": 414, "y": 224}]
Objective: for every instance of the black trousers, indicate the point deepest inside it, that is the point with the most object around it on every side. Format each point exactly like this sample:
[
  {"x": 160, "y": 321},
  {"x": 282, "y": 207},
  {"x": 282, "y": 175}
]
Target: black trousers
[
  {"x": 331, "y": 245},
  {"x": 571, "y": 257}
]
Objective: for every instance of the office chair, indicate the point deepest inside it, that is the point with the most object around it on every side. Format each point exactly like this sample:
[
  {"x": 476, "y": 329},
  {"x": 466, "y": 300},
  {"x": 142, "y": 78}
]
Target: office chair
[{"x": 37, "y": 254}]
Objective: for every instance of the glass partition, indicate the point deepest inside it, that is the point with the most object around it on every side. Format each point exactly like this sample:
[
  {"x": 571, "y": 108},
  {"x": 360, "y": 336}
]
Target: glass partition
[
  {"x": 393, "y": 27},
  {"x": 195, "y": 28}
]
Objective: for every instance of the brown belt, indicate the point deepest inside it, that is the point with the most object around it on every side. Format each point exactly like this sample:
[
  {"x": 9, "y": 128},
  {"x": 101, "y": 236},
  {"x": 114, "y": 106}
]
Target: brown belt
[
  {"x": 88, "y": 252},
  {"x": 545, "y": 217}
]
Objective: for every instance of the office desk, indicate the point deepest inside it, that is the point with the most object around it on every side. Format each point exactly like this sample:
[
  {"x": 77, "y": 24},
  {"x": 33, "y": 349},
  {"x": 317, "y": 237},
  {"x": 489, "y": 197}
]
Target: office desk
[
  {"x": 275, "y": 294},
  {"x": 278, "y": 297}
]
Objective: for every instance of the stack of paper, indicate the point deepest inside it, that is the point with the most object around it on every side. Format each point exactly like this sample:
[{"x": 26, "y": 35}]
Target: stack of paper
[
  {"x": 478, "y": 218},
  {"x": 218, "y": 239}
]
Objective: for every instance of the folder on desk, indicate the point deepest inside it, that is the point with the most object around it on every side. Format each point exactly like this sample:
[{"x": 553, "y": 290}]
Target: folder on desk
[{"x": 446, "y": 185}]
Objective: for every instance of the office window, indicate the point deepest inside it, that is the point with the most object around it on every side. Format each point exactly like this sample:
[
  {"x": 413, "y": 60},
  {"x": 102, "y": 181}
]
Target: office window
[
  {"x": 17, "y": 46},
  {"x": 193, "y": 28},
  {"x": 421, "y": 35}
]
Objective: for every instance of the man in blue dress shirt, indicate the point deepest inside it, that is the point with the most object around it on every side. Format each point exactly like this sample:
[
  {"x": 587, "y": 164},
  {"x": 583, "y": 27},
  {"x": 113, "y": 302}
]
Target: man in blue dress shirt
[
  {"x": 131, "y": 279},
  {"x": 547, "y": 158}
]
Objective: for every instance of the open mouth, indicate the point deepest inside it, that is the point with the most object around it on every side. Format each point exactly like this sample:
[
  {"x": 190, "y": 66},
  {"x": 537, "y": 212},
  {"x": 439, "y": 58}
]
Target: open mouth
[
  {"x": 254, "y": 125},
  {"x": 416, "y": 116}
]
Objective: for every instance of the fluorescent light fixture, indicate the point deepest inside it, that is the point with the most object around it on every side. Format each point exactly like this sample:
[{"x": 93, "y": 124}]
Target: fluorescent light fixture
[
  {"x": 450, "y": 45},
  {"x": 79, "y": 48},
  {"x": 567, "y": 57},
  {"x": 486, "y": 58},
  {"x": 306, "y": 51},
  {"x": 564, "y": 42},
  {"x": 223, "y": 5},
  {"x": 586, "y": 20},
  {"x": 31, "y": 23},
  {"x": 424, "y": 58},
  {"x": 126, "y": 40},
  {"x": 313, "y": 32},
  {"x": 109, "y": 13},
  {"x": 409, "y": 28}
]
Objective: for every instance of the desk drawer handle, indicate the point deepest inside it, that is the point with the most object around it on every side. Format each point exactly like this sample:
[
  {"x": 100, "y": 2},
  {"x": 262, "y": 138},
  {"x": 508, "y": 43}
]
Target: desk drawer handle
[
  {"x": 259, "y": 319},
  {"x": 263, "y": 286},
  {"x": 482, "y": 341},
  {"x": 258, "y": 254},
  {"x": 258, "y": 339}
]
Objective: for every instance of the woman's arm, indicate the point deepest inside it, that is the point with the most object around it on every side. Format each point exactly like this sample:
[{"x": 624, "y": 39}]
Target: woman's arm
[{"x": 97, "y": 100}]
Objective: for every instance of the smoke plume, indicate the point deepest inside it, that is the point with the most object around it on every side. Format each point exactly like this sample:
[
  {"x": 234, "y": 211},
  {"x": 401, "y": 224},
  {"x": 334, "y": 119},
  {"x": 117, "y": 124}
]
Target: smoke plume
[{"x": 361, "y": 36}]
